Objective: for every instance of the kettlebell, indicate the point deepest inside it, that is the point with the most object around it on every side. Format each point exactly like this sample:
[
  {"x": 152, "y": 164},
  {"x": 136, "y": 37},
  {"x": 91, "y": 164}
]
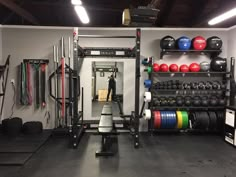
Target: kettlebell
[
  {"x": 213, "y": 101},
  {"x": 196, "y": 101},
  {"x": 164, "y": 101},
  {"x": 188, "y": 101},
  {"x": 205, "y": 101},
  {"x": 201, "y": 85},
  {"x": 179, "y": 101},
  {"x": 222, "y": 102},
  {"x": 171, "y": 101}
]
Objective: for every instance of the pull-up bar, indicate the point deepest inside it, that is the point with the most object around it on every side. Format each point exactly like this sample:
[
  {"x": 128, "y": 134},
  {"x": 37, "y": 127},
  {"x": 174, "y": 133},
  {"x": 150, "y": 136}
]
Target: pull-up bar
[{"x": 104, "y": 36}]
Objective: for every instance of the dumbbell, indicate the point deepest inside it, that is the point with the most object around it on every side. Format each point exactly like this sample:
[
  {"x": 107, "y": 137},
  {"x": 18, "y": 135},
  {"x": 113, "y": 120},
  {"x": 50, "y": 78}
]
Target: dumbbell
[
  {"x": 186, "y": 86},
  {"x": 201, "y": 85},
  {"x": 194, "y": 85},
  {"x": 171, "y": 101},
  {"x": 163, "y": 101},
  {"x": 208, "y": 85},
  {"x": 188, "y": 101},
  {"x": 216, "y": 85}
]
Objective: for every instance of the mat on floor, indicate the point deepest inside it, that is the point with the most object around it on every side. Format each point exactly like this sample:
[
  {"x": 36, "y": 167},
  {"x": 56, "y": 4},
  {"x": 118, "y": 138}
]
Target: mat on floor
[
  {"x": 23, "y": 143},
  {"x": 14, "y": 158}
]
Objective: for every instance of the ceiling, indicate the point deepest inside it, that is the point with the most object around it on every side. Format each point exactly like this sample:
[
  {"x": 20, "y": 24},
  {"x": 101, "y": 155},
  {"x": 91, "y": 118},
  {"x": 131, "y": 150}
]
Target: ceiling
[{"x": 108, "y": 13}]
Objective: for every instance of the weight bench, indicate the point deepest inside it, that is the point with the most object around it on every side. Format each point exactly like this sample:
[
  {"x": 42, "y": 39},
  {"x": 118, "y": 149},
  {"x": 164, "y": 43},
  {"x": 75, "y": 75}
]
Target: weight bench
[{"x": 106, "y": 128}]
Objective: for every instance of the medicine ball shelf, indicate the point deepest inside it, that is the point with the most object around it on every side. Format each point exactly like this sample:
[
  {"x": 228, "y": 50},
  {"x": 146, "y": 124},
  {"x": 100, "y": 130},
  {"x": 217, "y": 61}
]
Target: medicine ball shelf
[
  {"x": 211, "y": 53},
  {"x": 183, "y": 74}
]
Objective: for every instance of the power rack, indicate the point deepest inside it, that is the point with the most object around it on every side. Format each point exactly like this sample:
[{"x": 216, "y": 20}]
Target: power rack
[{"x": 81, "y": 53}]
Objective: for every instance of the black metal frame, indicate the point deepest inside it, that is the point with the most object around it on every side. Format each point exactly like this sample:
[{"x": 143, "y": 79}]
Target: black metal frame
[
  {"x": 80, "y": 53},
  {"x": 4, "y": 70}
]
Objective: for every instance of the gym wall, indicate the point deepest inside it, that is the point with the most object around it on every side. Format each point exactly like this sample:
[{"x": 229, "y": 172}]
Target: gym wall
[
  {"x": 1, "y": 59},
  {"x": 30, "y": 43},
  {"x": 25, "y": 42},
  {"x": 232, "y": 43}
]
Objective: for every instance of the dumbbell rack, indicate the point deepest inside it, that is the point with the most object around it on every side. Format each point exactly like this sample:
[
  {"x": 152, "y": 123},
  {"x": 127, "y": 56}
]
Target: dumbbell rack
[{"x": 225, "y": 76}]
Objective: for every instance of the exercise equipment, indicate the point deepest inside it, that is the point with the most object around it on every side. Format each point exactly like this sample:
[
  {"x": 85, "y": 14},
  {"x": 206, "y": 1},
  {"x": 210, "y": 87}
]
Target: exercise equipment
[
  {"x": 184, "y": 43},
  {"x": 43, "y": 84},
  {"x": 147, "y": 115},
  {"x": 147, "y": 61},
  {"x": 200, "y": 120},
  {"x": 12, "y": 127},
  {"x": 212, "y": 121},
  {"x": 214, "y": 43},
  {"x": 204, "y": 101},
  {"x": 196, "y": 101},
  {"x": 147, "y": 97},
  {"x": 179, "y": 101},
  {"x": 157, "y": 119},
  {"x": 184, "y": 68},
  {"x": 29, "y": 87},
  {"x": 167, "y": 42},
  {"x": 155, "y": 67},
  {"x": 173, "y": 68},
  {"x": 63, "y": 106},
  {"x": 4, "y": 70},
  {"x": 218, "y": 64},
  {"x": 164, "y": 68},
  {"x": 188, "y": 101},
  {"x": 32, "y": 127},
  {"x": 179, "y": 120},
  {"x": 36, "y": 67},
  {"x": 149, "y": 69},
  {"x": 199, "y": 43},
  {"x": 194, "y": 67},
  {"x": 105, "y": 129},
  {"x": 147, "y": 83},
  {"x": 185, "y": 119},
  {"x": 205, "y": 66}
]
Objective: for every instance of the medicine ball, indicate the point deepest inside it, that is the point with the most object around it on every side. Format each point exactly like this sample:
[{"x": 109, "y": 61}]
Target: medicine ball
[
  {"x": 155, "y": 67},
  {"x": 218, "y": 64},
  {"x": 184, "y": 43},
  {"x": 205, "y": 66},
  {"x": 214, "y": 43},
  {"x": 167, "y": 42},
  {"x": 194, "y": 67},
  {"x": 199, "y": 43},
  {"x": 173, "y": 68},
  {"x": 184, "y": 68},
  {"x": 164, "y": 68}
]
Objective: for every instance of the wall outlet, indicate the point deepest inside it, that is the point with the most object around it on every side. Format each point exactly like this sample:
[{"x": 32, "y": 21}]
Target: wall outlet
[{"x": 12, "y": 81}]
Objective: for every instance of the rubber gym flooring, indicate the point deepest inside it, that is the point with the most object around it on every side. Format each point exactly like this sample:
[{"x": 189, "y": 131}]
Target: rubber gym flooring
[{"x": 159, "y": 156}]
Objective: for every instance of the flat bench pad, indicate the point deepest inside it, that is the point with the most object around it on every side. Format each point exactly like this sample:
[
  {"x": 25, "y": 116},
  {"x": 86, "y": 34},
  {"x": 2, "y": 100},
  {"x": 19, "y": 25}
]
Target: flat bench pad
[
  {"x": 105, "y": 124},
  {"x": 106, "y": 110}
]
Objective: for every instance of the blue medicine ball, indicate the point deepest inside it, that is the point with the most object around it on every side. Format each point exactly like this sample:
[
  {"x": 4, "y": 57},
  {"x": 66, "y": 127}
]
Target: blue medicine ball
[{"x": 184, "y": 43}]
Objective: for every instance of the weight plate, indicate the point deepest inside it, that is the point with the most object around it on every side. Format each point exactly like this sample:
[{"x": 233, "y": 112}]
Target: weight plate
[
  {"x": 213, "y": 120},
  {"x": 157, "y": 119},
  {"x": 185, "y": 119},
  {"x": 174, "y": 120},
  {"x": 179, "y": 120},
  {"x": 163, "y": 119}
]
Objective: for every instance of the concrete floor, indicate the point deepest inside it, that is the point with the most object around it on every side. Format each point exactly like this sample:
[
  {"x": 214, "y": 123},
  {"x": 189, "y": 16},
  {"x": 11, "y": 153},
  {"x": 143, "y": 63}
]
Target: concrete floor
[{"x": 158, "y": 156}]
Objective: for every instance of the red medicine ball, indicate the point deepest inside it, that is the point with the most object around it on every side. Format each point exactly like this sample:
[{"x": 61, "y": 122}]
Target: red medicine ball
[
  {"x": 194, "y": 67},
  {"x": 173, "y": 68},
  {"x": 155, "y": 67},
  {"x": 184, "y": 68},
  {"x": 164, "y": 68},
  {"x": 199, "y": 43}
]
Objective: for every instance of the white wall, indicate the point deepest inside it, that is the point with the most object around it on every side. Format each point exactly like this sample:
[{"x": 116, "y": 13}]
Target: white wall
[
  {"x": 37, "y": 43},
  {"x": 0, "y": 43},
  {"x": 26, "y": 43}
]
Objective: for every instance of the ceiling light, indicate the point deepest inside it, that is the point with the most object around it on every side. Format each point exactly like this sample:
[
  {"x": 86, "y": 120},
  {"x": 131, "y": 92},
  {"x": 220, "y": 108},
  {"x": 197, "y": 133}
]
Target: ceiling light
[
  {"x": 223, "y": 17},
  {"x": 81, "y": 12},
  {"x": 76, "y": 2}
]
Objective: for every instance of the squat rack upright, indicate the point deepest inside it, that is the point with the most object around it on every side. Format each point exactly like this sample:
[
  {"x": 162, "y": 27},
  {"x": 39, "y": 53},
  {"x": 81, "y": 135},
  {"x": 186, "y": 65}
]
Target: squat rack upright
[{"x": 80, "y": 53}]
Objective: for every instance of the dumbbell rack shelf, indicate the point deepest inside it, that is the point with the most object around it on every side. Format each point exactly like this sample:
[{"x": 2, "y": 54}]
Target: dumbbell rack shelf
[{"x": 211, "y": 53}]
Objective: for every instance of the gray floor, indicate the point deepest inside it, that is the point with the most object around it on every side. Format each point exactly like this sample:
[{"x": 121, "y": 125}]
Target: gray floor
[
  {"x": 159, "y": 156},
  {"x": 98, "y": 105}
]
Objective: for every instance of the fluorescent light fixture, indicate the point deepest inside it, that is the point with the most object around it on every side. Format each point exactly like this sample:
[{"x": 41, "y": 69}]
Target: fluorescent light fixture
[
  {"x": 81, "y": 12},
  {"x": 76, "y": 2},
  {"x": 223, "y": 17}
]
